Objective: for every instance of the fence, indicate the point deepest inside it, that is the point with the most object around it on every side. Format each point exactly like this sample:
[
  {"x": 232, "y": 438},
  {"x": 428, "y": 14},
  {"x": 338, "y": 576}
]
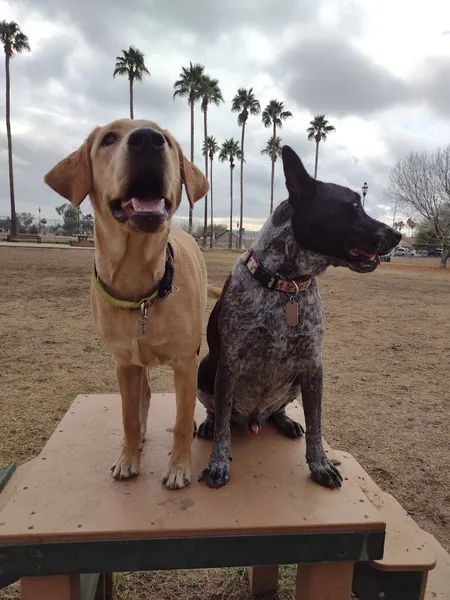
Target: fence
[{"x": 52, "y": 227}]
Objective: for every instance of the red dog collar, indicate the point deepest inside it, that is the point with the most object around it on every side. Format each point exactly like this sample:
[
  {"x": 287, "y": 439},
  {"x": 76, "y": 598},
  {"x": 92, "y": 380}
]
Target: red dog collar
[{"x": 271, "y": 281}]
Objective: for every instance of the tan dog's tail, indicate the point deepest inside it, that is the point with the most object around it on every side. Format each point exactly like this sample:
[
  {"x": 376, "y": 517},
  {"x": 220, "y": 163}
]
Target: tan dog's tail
[{"x": 214, "y": 291}]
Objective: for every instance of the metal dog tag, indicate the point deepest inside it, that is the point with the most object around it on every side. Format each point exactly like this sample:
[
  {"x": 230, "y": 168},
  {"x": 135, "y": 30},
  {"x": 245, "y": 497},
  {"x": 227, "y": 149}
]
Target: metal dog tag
[
  {"x": 292, "y": 312},
  {"x": 143, "y": 319}
]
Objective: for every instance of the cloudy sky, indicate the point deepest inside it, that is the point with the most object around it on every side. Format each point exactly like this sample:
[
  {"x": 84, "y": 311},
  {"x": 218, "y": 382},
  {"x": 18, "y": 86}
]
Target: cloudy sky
[{"x": 379, "y": 69}]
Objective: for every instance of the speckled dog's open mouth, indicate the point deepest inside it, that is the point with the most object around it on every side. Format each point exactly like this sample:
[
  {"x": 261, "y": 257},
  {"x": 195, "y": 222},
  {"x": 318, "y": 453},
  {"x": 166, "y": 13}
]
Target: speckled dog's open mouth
[
  {"x": 143, "y": 206},
  {"x": 360, "y": 259}
]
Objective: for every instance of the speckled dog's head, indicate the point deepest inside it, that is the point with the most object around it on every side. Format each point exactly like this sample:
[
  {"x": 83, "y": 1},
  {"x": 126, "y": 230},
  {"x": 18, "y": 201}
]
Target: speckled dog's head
[{"x": 329, "y": 219}]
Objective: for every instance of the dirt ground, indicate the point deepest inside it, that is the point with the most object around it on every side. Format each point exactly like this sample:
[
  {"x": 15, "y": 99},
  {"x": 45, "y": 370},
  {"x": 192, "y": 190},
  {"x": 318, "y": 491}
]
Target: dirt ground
[{"x": 386, "y": 358}]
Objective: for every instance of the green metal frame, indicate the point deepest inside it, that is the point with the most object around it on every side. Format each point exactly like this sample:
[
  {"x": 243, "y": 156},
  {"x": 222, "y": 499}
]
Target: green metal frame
[
  {"x": 372, "y": 584},
  {"x": 53, "y": 558},
  {"x": 6, "y": 474}
]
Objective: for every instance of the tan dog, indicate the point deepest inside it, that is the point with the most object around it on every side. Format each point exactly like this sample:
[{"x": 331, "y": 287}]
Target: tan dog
[{"x": 133, "y": 172}]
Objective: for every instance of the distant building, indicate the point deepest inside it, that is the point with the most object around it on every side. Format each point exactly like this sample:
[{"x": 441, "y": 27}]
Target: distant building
[{"x": 223, "y": 240}]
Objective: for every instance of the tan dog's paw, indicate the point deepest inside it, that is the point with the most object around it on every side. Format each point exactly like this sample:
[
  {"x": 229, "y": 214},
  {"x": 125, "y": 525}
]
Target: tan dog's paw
[
  {"x": 177, "y": 477},
  {"x": 127, "y": 465}
]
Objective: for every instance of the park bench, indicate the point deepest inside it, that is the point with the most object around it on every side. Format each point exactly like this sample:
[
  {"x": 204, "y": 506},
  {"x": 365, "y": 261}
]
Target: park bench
[
  {"x": 24, "y": 237},
  {"x": 82, "y": 240},
  {"x": 66, "y": 526}
]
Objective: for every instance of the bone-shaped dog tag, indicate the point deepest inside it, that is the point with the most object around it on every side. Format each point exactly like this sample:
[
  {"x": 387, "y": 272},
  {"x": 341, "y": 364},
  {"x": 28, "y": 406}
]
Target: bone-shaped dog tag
[{"x": 292, "y": 312}]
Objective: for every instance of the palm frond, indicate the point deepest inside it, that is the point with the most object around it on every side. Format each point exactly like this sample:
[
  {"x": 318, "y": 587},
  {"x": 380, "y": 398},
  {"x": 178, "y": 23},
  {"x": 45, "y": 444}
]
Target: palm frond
[
  {"x": 13, "y": 39},
  {"x": 319, "y": 128}
]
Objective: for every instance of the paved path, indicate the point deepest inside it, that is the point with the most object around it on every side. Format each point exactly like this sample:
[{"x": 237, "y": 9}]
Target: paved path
[{"x": 45, "y": 245}]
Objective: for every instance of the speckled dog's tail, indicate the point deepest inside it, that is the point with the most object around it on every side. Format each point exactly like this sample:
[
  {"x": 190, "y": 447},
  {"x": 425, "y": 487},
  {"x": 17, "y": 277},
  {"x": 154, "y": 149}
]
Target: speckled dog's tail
[{"x": 214, "y": 291}]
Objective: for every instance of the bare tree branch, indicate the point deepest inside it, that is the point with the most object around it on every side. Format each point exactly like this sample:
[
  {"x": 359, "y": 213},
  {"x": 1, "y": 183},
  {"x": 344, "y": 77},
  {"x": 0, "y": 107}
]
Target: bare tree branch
[{"x": 420, "y": 185}]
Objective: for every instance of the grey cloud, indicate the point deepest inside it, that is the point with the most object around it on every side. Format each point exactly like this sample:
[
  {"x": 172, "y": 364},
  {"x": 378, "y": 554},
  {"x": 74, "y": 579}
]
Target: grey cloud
[
  {"x": 103, "y": 21},
  {"x": 329, "y": 75},
  {"x": 432, "y": 84},
  {"x": 65, "y": 87}
]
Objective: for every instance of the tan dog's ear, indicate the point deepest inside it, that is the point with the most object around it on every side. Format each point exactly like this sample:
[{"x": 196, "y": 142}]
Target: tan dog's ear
[
  {"x": 72, "y": 176},
  {"x": 195, "y": 182}
]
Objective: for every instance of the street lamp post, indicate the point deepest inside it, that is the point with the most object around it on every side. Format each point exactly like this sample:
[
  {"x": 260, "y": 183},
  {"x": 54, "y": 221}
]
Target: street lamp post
[
  {"x": 365, "y": 187},
  {"x": 39, "y": 224}
]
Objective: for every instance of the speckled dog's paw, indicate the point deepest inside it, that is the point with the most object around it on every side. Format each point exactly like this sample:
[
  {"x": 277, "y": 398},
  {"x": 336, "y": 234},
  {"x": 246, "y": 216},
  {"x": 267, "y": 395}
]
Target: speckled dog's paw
[
  {"x": 287, "y": 426},
  {"x": 206, "y": 429},
  {"x": 325, "y": 473},
  {"x": 216, "y": 474}
]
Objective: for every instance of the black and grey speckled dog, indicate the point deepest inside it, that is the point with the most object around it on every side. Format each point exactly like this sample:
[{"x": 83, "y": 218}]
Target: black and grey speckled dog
[{"x": 261, "y": 354}]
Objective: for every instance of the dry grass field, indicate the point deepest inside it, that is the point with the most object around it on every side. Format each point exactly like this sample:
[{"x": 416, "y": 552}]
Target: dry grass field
[{"x": 387, "y": 365}]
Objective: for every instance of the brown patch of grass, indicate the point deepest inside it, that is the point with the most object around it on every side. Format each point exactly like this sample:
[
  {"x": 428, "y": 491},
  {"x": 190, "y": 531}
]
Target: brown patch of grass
[{"x": 386, "y": 397}]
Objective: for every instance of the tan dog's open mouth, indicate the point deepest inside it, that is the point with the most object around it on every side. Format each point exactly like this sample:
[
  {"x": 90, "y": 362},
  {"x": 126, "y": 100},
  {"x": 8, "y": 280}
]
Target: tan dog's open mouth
[{"x": 142, "y": 205}]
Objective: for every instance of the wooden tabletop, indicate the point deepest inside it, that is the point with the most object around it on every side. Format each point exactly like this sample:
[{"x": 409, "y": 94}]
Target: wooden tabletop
[{"x": 69, "y": 492}]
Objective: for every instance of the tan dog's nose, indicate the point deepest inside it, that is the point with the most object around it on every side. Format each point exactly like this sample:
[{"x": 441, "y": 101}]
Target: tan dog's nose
[{"x": 146, "y": 140}]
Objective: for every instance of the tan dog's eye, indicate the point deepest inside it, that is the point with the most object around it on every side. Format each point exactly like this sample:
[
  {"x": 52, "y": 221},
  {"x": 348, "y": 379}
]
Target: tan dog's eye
[{"x": 109, "y": 138}]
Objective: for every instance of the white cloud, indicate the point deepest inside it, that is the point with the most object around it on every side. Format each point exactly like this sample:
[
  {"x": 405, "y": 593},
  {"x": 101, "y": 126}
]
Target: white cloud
[{"x": 389, "y": 104}]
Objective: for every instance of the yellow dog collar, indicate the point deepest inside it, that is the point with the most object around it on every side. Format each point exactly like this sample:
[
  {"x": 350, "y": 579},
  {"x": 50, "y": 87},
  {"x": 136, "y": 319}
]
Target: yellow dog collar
[{"x": 164, "y": 288}]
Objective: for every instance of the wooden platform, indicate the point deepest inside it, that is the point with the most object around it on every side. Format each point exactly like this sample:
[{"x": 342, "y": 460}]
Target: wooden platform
[
  {"x": 62, "y": 514},
  {"x": 266, "y": 473},
  {"x": 69, "y": 516}
]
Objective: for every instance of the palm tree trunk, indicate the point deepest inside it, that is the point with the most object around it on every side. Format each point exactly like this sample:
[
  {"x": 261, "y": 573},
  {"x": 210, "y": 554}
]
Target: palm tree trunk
[
  {"x": 230, "y": 245},
  {"x": 131, "y": 100},
  {"x": 192, "y": 156},
  {"x": 242, "y": 185},
  {"x": 272, "y": 175},
  {"x": 10, "y": 152},
  {"x": 205, "y": 218},
  {"x": 212, "y": 205},
  {"x": 317, "y": 160}
]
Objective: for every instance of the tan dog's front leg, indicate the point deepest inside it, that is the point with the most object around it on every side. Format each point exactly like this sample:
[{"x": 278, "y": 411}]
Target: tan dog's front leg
[
  {"x": 178, "y": 474},
  {"x": 145, "y": 403},
  {"x": 130, "y": 382}
]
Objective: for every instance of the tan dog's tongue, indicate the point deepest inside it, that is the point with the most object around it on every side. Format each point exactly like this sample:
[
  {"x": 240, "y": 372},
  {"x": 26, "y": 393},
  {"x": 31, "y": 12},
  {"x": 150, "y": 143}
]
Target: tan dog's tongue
[{"x": 147, "y": 205}]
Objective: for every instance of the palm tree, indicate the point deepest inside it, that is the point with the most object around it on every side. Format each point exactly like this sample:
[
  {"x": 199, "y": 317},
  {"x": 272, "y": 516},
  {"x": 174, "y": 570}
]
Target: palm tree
[
  {"x": 14, "y": 42},
  {"x": 273, "y": 116},
  {"x": 228, "y": 152},
  {"x": 210, "y": 148},
  {"x": 131, "y": 64},
  {"x": 273, "y": 150},
  {"x": 399, "y": 226},
  {"x": 245, "y": 104},
  {"x": 318, "y": 130},
  {"x": 211, "y": 94},
  {"x": 189, "y": 86},
  {"x": 411, "y": 226}
]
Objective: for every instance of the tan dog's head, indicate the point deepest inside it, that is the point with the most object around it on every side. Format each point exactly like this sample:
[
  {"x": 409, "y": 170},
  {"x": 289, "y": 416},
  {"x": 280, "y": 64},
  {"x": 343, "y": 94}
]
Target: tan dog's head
[{"x": 133, "y": 172}]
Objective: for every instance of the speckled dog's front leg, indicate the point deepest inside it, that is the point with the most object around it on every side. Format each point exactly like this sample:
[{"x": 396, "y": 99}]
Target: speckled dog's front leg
[
  {"x": 217, "y": 473},
  {"x": 322, "y": 469}
]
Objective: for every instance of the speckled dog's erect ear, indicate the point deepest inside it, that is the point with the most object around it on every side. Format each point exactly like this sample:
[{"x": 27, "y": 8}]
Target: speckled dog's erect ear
[
  {"x": 72, "y": 176},
  {"x": 299, "y": 183}
]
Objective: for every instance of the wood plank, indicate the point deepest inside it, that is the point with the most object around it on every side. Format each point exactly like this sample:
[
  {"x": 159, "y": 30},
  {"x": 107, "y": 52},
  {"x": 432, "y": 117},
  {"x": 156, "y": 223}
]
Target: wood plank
[
  {"x": 270, "y": 490},
  {"x": 324, "y": 581},
  {"x": 438, "y": 586},
  {"x": 263, "y": 579},
  {"x": 58, "y": 587},
  {"x": 14, "y": 482},
  {"x": 407, "y": 547}
]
